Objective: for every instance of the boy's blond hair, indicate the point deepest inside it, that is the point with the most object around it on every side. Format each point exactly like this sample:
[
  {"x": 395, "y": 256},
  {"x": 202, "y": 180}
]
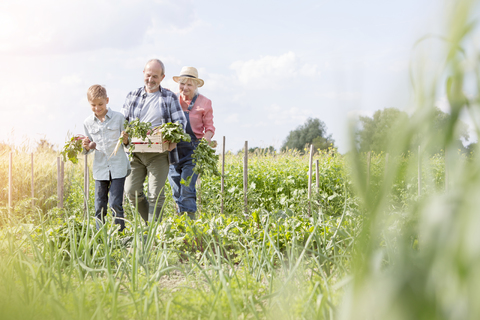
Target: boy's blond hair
[{"x": 96, "y": 92}]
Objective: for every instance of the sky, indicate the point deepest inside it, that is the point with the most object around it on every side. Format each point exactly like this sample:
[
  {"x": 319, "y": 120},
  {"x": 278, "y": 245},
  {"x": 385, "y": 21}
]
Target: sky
[{"x": 267, "y": 65}]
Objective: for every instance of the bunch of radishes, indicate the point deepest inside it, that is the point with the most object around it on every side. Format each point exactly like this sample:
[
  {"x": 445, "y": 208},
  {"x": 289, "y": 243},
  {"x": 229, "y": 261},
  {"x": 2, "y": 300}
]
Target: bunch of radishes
[
  {"x": 72, "y": 148},
  {"x": 90, "y": 144}
]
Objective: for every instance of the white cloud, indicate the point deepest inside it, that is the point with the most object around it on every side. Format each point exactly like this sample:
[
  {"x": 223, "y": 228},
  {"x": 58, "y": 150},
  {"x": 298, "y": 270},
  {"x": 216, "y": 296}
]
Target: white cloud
[
  {"x": 170, "y": 84},
  {"x": 233, "y": 118},
  {"x": 53, "y": 26},
  {"x": 284, "y": 116},
  {"x": 399, "y": 66},
  {"x": 309, "y": 70},
  {"x": 34, "y": 110},
  {"x": 73, "y": 79},
  {"x": 158, "y": 26},
  {"x": 341, "y": 96},
  {"x": 217, "y": 82},
  {"x": 272, "y": 71}
]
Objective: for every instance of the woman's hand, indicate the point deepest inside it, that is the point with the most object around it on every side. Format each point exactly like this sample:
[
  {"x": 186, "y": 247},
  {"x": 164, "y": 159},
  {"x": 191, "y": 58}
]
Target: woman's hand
[
  {"x": 211, "y": 143},
  {"x": 208, "y": 136}
]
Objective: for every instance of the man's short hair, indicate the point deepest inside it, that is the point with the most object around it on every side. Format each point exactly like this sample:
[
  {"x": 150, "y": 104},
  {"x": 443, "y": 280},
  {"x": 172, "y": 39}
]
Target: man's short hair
[
  {"x": 96, "y": 92},
  {"x": 157, "y": 61}
]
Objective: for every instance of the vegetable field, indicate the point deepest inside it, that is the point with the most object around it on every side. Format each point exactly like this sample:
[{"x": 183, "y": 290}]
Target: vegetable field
[
  {"x": 278, "y": 260},
  {"x": 290, "y": 257},
  {"x": 384, "y": 236}
]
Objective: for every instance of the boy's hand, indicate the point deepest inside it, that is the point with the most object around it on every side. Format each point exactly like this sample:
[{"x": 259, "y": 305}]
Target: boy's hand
[
  {"x": 85, "y": 143},
  {"x": 125, "y": 137}
]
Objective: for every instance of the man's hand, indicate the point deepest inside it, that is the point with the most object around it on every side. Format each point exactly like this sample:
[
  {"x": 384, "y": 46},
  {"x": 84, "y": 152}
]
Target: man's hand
[{"x": 171, "y": 146}]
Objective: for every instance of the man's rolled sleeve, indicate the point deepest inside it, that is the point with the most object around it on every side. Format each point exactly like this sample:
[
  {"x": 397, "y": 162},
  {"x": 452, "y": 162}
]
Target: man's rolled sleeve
[
  {"x": 177, "y": 112},
  {"x": 126, "y": 109}
]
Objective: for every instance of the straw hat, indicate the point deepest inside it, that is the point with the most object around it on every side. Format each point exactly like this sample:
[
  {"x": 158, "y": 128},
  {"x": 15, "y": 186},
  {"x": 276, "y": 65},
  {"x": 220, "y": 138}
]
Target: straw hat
[{"x": 189, "y": 72}]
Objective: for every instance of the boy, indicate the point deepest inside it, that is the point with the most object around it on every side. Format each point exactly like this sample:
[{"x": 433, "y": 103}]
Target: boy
[{"x": 104, "y": 128}]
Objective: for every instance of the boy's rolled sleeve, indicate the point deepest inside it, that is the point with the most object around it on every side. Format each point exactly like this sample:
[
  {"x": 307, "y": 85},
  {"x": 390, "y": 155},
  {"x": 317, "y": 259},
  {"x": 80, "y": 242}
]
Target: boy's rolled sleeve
[{"x": 87, "y": 134}]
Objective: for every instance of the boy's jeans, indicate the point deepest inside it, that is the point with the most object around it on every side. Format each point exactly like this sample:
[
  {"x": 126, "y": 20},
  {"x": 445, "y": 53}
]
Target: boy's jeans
[{"x": 102, "y": 189}]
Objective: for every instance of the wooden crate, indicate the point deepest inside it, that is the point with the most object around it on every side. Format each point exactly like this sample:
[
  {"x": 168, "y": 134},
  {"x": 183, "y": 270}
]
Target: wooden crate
[{"x": 157, "y": 144}]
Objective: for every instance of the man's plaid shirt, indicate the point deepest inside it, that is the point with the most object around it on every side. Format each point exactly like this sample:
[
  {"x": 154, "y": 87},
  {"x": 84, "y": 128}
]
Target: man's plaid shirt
[{"x": 169, "y": 110}]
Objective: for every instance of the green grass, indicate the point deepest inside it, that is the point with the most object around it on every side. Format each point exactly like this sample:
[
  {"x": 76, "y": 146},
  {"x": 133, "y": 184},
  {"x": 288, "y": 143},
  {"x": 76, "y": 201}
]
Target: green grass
[
  {"x": 283, "y": 261},
  {"x": 290, "y": 258},
  {"x": 217, "y": 267},
  {"x": 293, "y": 261}
]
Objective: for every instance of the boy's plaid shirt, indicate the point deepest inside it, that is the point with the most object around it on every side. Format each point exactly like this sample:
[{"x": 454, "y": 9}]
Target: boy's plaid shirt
[{"x": 170, "y": 110}]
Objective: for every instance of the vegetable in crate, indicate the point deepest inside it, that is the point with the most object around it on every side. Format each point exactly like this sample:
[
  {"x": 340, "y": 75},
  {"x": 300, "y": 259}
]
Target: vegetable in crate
[
  {"x": 174, "y": 133},
  {"x": 134, "y": 129},
  {"x": 138, "y": 129},
  {"x": 72, "y": 148}
]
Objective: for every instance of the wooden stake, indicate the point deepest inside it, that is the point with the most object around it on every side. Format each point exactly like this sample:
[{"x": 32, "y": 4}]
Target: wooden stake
[
  {"x": 33, "y": 183},
  {"x": 317, "y": 174},
  {"x": 85, "y": 185},
  {"x": 10, "y": 182},
  {"x": 62, "y": 182},
  {"x": 198, "y": 186},
  {"x": 59, "y": 184},
  {"x": 245, "y": 176},
  {"x": 310, "y": 165},
  {"x": 222, "y": 186}
]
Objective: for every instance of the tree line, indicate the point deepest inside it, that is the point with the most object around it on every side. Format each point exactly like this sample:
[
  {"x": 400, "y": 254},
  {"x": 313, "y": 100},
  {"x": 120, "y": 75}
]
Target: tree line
[{"x": 377, "y": 132}]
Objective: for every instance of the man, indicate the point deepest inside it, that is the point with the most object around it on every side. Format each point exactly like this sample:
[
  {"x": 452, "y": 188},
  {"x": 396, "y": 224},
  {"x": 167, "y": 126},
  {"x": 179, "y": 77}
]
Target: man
[{"x": 156, "y": 105}]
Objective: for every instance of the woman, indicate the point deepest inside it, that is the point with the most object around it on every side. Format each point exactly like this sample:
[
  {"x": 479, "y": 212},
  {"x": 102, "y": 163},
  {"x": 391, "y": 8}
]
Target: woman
[{"x": 199, "y": 113}]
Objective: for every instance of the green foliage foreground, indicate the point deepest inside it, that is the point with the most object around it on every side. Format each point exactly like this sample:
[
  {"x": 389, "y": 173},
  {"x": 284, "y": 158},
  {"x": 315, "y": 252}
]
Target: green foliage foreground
[
  {"x": 214, "y": 268},
  {"x": 428, "y": 268}
]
